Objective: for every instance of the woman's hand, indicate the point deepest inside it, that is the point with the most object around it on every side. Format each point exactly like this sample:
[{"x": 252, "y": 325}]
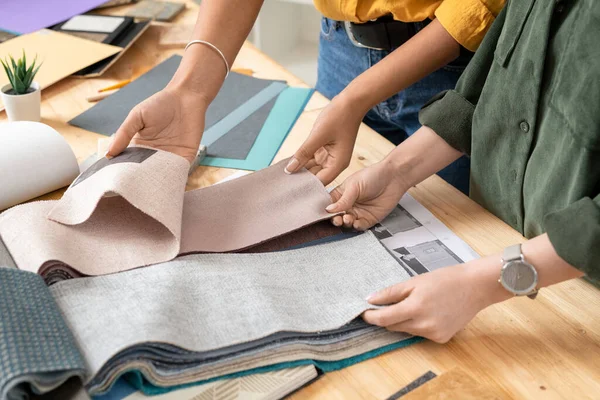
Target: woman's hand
[
  {"x": 171, "y": 120},
  {"x": 328, "y": 149},
  {"x": 367, "y": 196},
  {"x": 436, "y": 305}
]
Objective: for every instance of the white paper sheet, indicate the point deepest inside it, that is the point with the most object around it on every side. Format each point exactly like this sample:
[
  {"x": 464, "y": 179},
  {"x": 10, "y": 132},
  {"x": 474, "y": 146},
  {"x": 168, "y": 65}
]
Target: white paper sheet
[
  {"x": 420, "y": 241},
  {"x": 34, "y": 160}
]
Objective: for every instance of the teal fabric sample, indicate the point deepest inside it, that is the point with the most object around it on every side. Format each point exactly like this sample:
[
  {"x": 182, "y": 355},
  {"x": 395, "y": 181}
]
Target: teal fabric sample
[
  {"x": 242, "y": 112},
  {"x": 37, "y": 350},
  {"x": 287, "y": 109}
]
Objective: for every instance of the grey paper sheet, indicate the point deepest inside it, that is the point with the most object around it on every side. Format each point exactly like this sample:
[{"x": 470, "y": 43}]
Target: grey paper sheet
[
  {"x": 236, "y": 144},
  {"x": 239, "y": 115},
  {"x": 6, "y": 259},
  {"x": 206, "y": 302},
  {"x": 107, "y": 115}
]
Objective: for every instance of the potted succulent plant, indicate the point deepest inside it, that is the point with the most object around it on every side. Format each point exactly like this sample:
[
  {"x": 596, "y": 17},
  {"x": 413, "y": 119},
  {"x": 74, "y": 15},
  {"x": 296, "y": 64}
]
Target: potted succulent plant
[{"x": 21, "y": 97}]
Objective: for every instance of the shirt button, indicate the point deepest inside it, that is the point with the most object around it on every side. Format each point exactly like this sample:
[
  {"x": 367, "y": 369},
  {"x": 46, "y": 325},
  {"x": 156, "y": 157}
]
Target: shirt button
[{"x": 524, "y": 126}]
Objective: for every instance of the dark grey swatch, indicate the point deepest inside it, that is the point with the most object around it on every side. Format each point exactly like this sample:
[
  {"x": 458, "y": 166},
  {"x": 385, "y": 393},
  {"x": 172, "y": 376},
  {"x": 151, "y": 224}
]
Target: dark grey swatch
[
  {"x": 6, "y": 259},
  {"x": 107, "y": 115},
  {"x": 129, "y": 155},
  {"x": 238, "y": 142},
  {"x": 429, "y": 375},
  {"x": 37, "y": 349}
]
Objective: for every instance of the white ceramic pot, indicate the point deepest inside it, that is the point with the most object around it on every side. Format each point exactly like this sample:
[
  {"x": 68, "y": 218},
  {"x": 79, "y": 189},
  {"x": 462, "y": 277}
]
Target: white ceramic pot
[{"x": 22, "y": 107}]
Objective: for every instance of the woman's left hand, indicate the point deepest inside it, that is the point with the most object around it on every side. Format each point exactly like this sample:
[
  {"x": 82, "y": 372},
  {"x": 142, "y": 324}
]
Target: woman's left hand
[{"x": 435, "y": 305}]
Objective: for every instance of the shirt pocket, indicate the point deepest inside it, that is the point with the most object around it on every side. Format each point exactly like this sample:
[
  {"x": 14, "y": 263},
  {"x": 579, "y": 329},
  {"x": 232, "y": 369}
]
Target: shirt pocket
[
  {"x": 517, "y": 13},
  {"x": 575, "y": 81}
]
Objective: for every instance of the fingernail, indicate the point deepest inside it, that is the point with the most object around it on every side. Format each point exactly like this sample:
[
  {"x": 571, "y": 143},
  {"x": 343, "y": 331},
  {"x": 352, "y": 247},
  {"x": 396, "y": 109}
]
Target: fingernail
[
  {"x": 108, "y": 155},
  {"x": 370, "y": 297},
  {"x": 291, "y": 167},
  {"x": 330, "y": 208},
  {"x": 335, "y": 223}
]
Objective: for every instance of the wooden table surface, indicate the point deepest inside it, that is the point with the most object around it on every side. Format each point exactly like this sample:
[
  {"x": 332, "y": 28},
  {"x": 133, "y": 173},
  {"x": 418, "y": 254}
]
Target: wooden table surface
[{"x": 545, "y": 348}]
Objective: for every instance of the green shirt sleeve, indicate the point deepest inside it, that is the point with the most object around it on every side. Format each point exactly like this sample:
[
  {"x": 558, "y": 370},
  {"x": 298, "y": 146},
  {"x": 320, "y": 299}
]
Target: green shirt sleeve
[
  {"x": 450, "y": 113},
  {"x": 574, "y": 232}
]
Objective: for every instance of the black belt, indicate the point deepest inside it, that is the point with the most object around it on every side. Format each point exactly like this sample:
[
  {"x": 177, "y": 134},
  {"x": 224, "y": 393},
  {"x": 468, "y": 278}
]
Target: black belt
[{"x": 381, "y": 34}]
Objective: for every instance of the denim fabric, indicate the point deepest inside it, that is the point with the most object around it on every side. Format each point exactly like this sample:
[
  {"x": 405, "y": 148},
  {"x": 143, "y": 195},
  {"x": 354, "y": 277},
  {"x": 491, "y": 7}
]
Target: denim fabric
[{"x": 397, "y": 117}]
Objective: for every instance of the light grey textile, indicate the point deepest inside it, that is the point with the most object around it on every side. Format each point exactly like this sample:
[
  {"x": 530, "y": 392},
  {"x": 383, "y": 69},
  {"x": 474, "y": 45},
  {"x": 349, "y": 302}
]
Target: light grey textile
[{"x": 206, "y": 302}]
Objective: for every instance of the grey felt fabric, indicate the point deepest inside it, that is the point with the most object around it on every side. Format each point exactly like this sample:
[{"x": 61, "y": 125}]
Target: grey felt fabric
[
  {"x": 242, "y": 136},
  {"x": 37, "y": 350},
  {"x": 205, "y": 302},
  {"x": 107, "y": 115}
]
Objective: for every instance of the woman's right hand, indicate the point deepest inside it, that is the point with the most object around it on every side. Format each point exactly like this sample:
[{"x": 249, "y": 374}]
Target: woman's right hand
[
  {"x": 328, "y": 149},
  {"x": 170, "y": 120}
]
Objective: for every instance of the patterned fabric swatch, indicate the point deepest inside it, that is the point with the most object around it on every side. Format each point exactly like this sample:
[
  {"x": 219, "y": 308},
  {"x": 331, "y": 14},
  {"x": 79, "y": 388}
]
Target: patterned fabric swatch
[{"x": 37, "y": 350}]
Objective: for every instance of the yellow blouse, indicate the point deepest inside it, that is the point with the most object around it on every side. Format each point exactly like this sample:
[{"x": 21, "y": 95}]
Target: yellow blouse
[{"x": 466, "y": 20}]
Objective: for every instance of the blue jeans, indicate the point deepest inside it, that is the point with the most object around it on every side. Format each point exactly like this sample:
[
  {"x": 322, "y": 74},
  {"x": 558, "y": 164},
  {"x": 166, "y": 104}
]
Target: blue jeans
[{"x": 397, "y": 117}]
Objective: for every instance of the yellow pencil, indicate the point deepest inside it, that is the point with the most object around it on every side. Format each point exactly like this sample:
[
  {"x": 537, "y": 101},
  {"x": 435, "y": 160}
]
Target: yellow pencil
[
  {"x": 115, "y": 86},
  {"x": 98, "y": 97}
]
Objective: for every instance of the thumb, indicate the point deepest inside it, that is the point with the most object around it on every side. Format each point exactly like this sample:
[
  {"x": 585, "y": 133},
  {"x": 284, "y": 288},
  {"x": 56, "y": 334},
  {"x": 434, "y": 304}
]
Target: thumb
[
  {"x": 347, "y": 195},
  {"x": 132, "y": 125},
  {"x": 303, "y": 155}
]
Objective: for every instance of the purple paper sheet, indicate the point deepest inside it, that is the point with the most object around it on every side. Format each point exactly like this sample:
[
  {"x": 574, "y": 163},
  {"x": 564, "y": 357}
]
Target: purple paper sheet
[{"x": 20, "y": 16}]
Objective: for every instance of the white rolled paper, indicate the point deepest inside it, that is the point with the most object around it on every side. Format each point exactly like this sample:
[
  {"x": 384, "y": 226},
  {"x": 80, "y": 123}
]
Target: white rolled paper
[{"x": 34, "y": 160}]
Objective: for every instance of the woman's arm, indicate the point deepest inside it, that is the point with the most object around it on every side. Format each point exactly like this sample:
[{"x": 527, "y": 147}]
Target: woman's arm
[
  {"x": 226, "y": 24},
  {"x": 436, "y": 305},
  {"x": 173, "y": 119},
  {"x": 427, "y": 51},
  {"x": 328, "y": 149}
]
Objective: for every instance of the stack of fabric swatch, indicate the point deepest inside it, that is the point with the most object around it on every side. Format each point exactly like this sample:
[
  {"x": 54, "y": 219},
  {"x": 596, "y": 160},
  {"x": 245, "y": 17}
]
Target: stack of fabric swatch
[
  {"x": 157, "y": 299},
  {"x": 245, "y": 124}
]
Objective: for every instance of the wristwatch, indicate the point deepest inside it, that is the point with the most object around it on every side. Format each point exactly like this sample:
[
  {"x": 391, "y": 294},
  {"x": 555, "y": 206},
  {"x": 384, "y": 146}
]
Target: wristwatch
[{"x": 517, "y": 275}]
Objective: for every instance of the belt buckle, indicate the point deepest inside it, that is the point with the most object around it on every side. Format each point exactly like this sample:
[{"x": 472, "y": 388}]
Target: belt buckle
[{"x": 348, "y": 29}]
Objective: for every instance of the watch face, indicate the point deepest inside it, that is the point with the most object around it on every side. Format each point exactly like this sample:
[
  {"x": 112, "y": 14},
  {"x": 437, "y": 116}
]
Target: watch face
[{"x": 519, "y": 277}]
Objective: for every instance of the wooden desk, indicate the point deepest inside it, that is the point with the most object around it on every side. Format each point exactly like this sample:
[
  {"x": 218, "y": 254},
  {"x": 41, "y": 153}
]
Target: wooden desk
[{"x": 548, "y": 348}]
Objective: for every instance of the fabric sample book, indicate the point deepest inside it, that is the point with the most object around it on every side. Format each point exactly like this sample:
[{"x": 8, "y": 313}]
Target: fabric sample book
[
  {"x": 197, "y": 319},
  {"x": 131, "y": 211},
  {"x": 203, "y": 317},
  {"x": 246, "y": 122}
]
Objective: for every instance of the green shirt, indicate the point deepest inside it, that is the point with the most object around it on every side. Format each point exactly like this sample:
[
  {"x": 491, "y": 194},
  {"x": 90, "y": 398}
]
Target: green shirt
[{"x": 527, "y": 111}]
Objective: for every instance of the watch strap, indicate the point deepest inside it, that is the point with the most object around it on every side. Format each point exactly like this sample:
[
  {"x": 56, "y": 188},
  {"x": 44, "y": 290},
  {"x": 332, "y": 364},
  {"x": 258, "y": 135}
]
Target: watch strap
[{"x": 512, "y": 253}]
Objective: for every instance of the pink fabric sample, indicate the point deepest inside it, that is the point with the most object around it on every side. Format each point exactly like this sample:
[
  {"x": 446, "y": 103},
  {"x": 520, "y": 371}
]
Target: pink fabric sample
[{"x": 133, "y": 214}]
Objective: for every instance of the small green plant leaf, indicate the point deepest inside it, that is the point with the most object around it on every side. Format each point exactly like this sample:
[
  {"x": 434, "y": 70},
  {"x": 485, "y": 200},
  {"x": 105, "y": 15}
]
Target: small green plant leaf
[{"x": 19, "y": 74}]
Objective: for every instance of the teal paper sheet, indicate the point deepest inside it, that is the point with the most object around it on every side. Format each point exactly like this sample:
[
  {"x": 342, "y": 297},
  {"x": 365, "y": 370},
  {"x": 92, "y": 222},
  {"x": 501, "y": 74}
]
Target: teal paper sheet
[
  {"x": 287, "y": 109},
  {"x": 137, "y": 380}
]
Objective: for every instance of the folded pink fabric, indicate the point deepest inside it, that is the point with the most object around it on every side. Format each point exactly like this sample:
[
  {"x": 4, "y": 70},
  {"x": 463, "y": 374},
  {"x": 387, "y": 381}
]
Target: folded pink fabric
[{"x": 132, "y": 211}]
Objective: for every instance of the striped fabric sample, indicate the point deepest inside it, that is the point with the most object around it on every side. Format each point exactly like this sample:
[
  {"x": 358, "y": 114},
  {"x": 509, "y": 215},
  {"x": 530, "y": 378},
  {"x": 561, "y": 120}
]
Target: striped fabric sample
[{"x": 266, "y": 386}]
